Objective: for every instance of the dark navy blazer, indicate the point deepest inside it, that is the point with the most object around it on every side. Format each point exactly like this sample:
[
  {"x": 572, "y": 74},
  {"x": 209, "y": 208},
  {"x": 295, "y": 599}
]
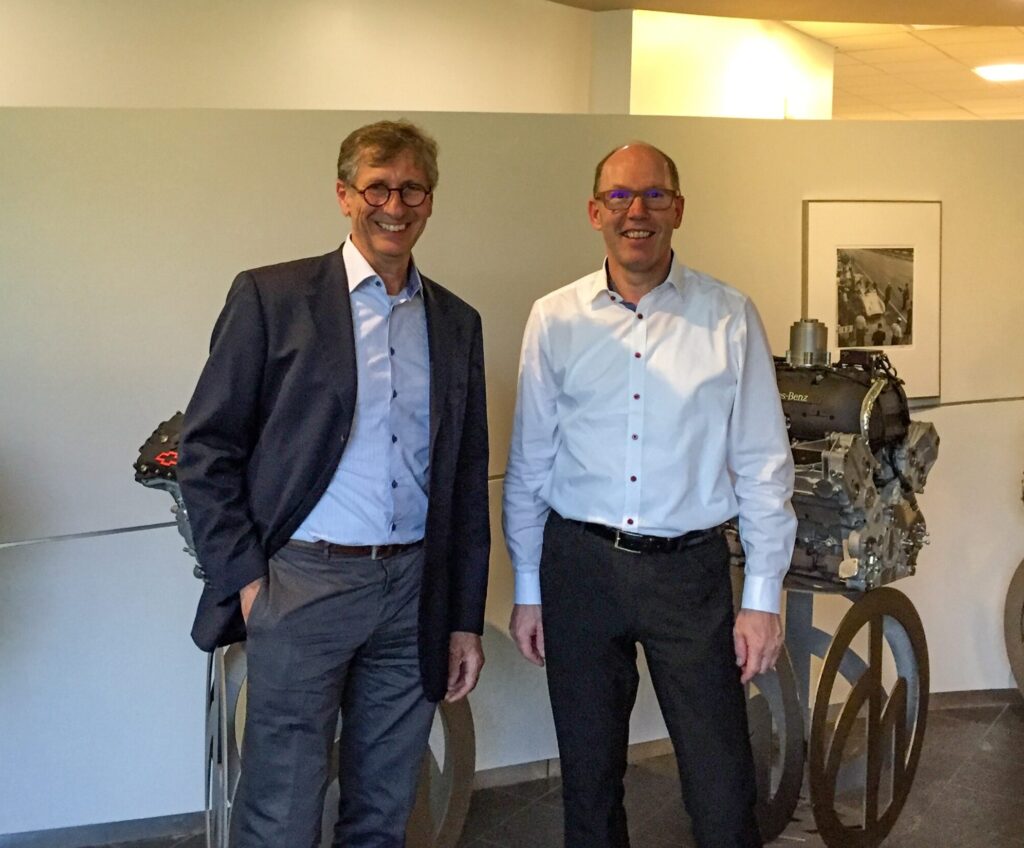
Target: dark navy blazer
[{"x": 267, "y": 426}]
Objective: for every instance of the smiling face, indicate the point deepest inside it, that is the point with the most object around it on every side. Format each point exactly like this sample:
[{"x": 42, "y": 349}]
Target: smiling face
[
  {"x": 385, "y": 235},
  {"x": 638, "y": 239}
]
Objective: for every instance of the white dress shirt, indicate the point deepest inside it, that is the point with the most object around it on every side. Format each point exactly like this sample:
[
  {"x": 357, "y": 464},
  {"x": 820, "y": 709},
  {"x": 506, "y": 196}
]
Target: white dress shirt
[{"x": 658, "y": 421}]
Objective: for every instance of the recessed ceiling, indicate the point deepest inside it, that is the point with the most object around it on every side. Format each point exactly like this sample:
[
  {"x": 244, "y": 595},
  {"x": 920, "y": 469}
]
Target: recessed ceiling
[
  {"x": 885, "y": 66},
  {"x": 964, "y": 12},
  {"x": 893, "y": 71}
]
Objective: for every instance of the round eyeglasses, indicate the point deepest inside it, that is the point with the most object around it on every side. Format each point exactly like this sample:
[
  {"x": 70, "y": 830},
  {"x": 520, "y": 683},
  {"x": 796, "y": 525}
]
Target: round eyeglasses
[
  {"x": 656, "y": 199},
  {"x": 378, "y": 194}
]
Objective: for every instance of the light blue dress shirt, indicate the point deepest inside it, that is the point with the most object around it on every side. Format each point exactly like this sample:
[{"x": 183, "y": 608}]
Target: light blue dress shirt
[{"x": 378, "y": 494}]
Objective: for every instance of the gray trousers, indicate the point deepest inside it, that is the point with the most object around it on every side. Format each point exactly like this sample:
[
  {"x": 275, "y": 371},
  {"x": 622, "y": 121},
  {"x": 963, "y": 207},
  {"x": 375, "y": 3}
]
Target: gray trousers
[{"x": 329, "y": 632}]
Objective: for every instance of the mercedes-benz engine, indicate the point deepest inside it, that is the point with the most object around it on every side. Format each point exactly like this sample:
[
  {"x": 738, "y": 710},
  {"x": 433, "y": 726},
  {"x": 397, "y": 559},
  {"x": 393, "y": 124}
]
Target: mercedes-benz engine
[
  {"x": 157, "y": 467},
  {"x": 860, "y": 462}
]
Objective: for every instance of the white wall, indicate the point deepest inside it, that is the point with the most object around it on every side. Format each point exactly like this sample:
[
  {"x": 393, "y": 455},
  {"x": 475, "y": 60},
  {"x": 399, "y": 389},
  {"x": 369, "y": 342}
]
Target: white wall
[
  {"x": 727, "y": 67},
  {"x": 660, "y": 63},
  {"x": 469, "y": 55},
  {"x": 102, "y": 700}
]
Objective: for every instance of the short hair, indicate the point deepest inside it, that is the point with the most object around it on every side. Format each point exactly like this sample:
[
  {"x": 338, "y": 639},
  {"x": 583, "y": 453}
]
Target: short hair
[
  {"x": 381, "y": 142},
  {"x": 673, "y": 172}
]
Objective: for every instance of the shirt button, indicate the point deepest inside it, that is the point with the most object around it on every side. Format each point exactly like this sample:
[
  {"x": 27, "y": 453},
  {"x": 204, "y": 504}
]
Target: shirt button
[
  {"x": 394, "y": 393},
  {"x": 394, "y": 438},
  {"x": 635, "y": 437},
  {"x": 640, "y": 316},
  {"x": 636, "y": 397},
  {"x": 392, "y": 351},
  {"x": 629, "y": 520},
  {"x": 632, "y": 478},
  {"x": 637, "y": 354},
  {"x": 394, "y": 526},
  {"x": 377, "y": 283},
  {"x": 394, "y": 484}
]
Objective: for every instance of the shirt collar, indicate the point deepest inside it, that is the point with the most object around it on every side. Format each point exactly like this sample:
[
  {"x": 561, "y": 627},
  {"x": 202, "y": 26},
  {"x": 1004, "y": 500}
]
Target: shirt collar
[
  {"x": 359, "y": 271},
  {"x": 599, "y": 282}
]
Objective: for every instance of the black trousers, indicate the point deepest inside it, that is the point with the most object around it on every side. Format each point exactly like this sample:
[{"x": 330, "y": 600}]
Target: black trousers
[
  {"x": 598, "y": 604},
  {"x": 329, "y": 632}
]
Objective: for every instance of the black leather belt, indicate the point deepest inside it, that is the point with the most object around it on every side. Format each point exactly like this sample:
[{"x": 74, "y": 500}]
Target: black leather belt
[
  {"x": 360, "y": 551},
  {"x": 635, "y": 543}
]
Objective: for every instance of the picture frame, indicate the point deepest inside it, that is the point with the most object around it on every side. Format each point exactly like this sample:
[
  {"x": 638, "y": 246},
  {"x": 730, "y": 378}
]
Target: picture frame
[{"x": 872, "y": 274}]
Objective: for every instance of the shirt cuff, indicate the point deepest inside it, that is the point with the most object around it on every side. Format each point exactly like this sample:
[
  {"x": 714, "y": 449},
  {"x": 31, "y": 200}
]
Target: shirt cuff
[
  {"x": 762, "y": 593},
  {"x": 527, "y": 587}
]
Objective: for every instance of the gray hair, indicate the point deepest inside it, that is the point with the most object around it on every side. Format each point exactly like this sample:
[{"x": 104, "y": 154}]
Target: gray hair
[{"x": 381, "y": 142}]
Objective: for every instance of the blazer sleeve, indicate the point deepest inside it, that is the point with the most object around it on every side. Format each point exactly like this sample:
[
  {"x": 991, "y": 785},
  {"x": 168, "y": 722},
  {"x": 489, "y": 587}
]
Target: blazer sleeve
[
  {"x": 471, "y": 527},
  {"x": 221, "y": 428}
]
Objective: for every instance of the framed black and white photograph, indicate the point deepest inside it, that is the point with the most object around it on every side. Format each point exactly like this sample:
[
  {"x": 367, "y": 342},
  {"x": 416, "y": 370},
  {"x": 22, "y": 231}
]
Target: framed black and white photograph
[{"x": 872, "y": 274}]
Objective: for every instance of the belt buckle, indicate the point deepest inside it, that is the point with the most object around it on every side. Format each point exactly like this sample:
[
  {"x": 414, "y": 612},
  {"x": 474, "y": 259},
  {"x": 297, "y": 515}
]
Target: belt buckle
[{"x": 616, "y": 546}]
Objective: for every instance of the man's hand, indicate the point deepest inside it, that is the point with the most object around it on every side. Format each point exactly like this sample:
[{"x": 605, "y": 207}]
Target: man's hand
[
  {"x": 527, "y": 629},
  {"x": 465, "y": 659},
  {"x": 248, "y": 594},
  {"x": 758, "y": 640}
]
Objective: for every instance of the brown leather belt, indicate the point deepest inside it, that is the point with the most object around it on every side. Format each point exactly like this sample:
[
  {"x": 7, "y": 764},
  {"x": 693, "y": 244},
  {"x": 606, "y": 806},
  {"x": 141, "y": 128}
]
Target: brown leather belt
[
  {"x": 329, "y": 549},
  {"x": 636, "y": 543}
]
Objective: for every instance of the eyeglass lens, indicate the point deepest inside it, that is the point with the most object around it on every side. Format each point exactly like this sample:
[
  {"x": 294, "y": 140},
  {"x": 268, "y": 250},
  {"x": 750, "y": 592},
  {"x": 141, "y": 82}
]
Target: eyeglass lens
[
  {"x": 652, "y": 198},
  {"x": 378, "y": 194}
]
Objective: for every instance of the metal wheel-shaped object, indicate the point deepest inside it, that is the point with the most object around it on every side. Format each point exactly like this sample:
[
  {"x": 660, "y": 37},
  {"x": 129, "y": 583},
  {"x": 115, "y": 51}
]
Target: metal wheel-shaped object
[
  {"x": 874, "y": 742},
  {"x": 225, "y": 682},
  {"x": 777, "y": 739},
  {"x": 1013, "y": 625},
  {"x": 442, "y": 795}
]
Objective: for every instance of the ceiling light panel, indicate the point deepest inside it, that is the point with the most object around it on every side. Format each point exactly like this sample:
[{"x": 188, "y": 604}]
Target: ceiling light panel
[{"x": 1001, "y": 73}]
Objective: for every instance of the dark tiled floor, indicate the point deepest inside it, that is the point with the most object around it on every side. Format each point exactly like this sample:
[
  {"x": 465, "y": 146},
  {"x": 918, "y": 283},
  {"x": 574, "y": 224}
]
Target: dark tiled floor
[{"x": 967, "y": 794}]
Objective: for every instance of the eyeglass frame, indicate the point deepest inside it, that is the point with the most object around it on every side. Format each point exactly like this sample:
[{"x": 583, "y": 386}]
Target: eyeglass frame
[
  {"x": 427, "y": 192},
  {"x": 672, "y": 194}
]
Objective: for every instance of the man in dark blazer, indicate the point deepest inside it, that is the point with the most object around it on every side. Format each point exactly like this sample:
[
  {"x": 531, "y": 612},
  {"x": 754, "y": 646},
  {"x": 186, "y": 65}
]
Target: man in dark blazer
[{"x": 334, "y": 467}]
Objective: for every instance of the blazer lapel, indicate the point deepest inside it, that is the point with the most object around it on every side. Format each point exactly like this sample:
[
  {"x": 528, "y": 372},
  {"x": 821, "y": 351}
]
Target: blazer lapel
[
  {"x": 439, "y": 334},
  {"x": 329, "y": 304}
]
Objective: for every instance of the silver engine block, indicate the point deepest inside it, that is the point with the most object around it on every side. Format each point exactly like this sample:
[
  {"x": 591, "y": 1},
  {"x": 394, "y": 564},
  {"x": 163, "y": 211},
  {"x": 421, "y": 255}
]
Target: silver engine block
[{"x": 860, "y": 462}]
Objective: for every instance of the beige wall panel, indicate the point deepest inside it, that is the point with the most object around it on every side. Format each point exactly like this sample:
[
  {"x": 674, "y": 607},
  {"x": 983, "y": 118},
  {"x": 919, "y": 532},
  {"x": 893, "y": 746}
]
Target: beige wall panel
[
  {"x": 517, "y": 55},
  {"x": 976, "y": 521},
  {"x": 102, "y": 705},
  {"x": 506, "y": 721}
]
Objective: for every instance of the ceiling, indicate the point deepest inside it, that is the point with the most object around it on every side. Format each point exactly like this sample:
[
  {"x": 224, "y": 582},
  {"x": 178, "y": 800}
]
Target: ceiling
[
  {"x": 887, "y": 65},
  {"x": 972, "y": 12},
  {"x": 893, "y": 71}
]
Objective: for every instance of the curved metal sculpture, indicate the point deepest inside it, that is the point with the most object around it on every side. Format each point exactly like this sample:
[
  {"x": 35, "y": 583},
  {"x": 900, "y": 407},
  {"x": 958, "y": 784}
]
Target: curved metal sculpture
[
  {"x": 777, "y": 740},
  {"x": 1013, "y": 625},
  {"x": 874, "y": 743},
  {"x": 445, "y": 785}
]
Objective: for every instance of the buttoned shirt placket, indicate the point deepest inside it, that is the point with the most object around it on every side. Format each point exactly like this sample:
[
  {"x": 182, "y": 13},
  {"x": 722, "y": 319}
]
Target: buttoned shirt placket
[
  {"x": 384, "y": 305},
  {"x": 636, "y": 351},
  {"x": 394, "y": 454}
]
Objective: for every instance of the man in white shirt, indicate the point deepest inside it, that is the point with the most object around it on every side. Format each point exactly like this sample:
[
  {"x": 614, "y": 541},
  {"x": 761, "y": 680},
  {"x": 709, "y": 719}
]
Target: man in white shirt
[{"x": 647, "y": 415}]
